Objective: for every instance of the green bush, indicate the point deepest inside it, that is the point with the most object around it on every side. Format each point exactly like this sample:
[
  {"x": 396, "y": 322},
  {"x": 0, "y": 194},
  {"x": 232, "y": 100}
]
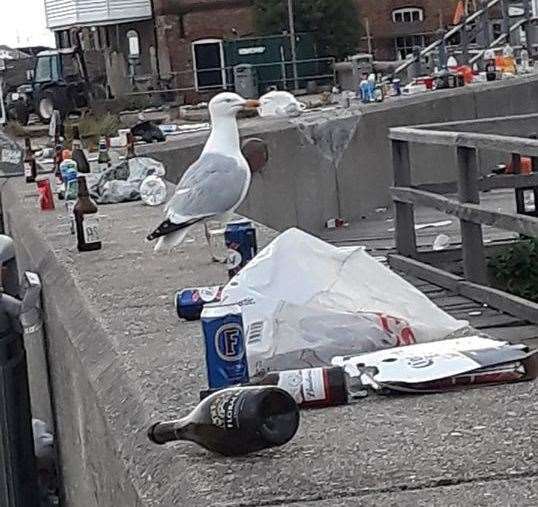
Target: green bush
[
  {"x": 92, "y": 128},
  {"x": 516, "y": 269},
  {"x": 334, "y": 24}
]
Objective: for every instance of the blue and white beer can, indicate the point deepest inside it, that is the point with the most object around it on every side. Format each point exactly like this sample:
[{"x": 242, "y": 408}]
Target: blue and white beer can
[
  {"x": 225, "y": 348},
  {"x": 242, "y": 246}
]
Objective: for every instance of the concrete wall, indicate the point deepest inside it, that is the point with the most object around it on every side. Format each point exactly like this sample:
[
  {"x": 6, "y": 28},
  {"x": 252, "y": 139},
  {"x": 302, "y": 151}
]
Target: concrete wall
[
  {"x": 338, "y": 163},
  {"x": 88, "y": 378}
]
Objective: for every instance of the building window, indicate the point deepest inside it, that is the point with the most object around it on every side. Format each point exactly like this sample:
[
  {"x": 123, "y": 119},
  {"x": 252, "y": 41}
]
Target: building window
[
  {"x": 404, "y": 45},
  {"x": 407, "y": 15},
  {"x": 134, "y": 44},
  {"x": 47, "y": 69},
  {"x": 497, "y": 30}
]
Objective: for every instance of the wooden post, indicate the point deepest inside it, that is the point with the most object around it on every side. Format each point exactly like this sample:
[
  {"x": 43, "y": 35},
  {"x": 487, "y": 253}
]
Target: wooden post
[
  {"x": 520, "y": 192},
  {"x": 534, "y": 160},
  {"x": 406, "y": 240},
  {"x": 474, "y": 261}
]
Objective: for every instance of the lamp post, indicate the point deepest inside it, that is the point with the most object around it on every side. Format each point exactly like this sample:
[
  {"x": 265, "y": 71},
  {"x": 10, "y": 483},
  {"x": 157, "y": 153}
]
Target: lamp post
[{"x": 291, "y": 18}]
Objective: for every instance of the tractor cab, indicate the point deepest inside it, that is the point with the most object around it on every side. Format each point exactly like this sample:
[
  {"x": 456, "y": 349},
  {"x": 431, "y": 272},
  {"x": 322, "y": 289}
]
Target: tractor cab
[{"x": 59, "y": 82}]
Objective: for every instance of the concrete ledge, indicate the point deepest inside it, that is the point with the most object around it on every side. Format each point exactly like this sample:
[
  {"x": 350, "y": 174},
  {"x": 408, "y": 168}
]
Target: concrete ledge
[
  {"x": 120, "y": 360},
  {"x": 339, "y": 163}
]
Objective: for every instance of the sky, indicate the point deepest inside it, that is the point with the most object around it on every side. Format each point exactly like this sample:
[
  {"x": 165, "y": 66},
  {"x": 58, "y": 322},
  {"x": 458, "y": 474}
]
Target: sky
[{"x": 22, "y": 23}]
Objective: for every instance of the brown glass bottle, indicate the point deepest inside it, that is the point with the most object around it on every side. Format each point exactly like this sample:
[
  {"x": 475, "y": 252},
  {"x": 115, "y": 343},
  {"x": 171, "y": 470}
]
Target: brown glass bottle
[
  {"x": 30, "y": 164},
  {"x": 58, "y": 159},
  {"x": 130, "y": 147},
  {"x": 311, "y": 387},
  {"x": 86, "y": 221},
  {"x": 77, "y": 152},
  {"x": 235, "y": 422}
]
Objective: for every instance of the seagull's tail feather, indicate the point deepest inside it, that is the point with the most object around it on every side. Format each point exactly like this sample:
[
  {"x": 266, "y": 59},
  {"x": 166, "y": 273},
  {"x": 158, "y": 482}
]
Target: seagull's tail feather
[
  {"x": 170, "y": 234},
  {"x": 171, "y": 240}
]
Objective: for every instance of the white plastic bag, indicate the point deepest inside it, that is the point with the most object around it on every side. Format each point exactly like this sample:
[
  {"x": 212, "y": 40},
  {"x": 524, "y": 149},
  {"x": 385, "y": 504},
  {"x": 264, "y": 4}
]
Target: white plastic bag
[{"x": 312, "y": 301}]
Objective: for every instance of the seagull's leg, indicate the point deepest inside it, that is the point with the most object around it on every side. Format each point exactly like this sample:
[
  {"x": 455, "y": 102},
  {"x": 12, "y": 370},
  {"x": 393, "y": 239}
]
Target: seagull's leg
[
  {"x": 214, "y": 255},
  {"x": 223, "y": 220}
]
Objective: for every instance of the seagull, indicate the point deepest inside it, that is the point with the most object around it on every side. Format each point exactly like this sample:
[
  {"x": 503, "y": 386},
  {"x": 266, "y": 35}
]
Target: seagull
[{"x": 217, "y": 183}]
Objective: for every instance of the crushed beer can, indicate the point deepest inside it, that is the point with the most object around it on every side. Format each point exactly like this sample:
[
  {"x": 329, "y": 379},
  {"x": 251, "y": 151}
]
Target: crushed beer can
[
  {"x": 225, "y": 349},
  {"x": 240, "y": 238},
  {"x": 190, "y": 302}
]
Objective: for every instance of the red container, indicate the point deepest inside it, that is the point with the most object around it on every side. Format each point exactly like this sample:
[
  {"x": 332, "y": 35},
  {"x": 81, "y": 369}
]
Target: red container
[
  {"x": 46, "y": 199},
  {"x": 425, "y": 80}
]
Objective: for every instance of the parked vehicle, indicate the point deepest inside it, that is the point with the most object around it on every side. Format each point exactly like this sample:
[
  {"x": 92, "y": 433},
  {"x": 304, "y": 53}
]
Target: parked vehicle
[{"x": 59, "y": 82}]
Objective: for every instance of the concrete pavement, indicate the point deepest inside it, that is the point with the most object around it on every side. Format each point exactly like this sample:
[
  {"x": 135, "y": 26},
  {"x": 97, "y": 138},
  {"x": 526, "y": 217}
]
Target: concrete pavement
[{"x": 120, "y": 360}]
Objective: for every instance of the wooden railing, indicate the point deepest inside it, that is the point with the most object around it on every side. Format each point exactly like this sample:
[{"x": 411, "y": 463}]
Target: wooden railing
[{"x": 466, "y": 206}]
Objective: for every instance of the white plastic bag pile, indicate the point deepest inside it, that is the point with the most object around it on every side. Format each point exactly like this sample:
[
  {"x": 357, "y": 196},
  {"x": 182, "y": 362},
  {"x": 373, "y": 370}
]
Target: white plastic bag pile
[
  {"x": 123, "y": 182},
  {"x": 305, "y": 301}
]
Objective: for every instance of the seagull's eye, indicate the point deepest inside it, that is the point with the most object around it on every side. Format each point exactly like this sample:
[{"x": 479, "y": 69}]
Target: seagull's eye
[{"x": 228, "y": 100}]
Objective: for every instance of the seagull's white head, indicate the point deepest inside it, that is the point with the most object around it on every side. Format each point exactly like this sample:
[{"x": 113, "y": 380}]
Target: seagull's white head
[{"x": 229, "y": 104}]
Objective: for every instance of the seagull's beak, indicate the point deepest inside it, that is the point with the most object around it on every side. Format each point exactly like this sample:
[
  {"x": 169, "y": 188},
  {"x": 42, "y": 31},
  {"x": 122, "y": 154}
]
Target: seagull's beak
[{"x": 251, "y": 104}]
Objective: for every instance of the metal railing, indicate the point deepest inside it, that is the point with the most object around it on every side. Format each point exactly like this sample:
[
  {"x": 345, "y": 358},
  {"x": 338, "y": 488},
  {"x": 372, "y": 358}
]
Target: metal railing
[
  {"x": 467, "y": 206},
  {"x": 320, "y": 70},
  {"x": 481, "y": 15}
]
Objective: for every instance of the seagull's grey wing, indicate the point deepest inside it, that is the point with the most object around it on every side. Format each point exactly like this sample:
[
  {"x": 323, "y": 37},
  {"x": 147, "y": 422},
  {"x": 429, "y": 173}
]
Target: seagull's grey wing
[{"x": 212, "y": 186}]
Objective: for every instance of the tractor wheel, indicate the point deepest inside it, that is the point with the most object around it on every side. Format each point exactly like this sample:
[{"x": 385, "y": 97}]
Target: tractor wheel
[
  {"x": 50, "y": 101},
  {"x": 19, "y": 112}
]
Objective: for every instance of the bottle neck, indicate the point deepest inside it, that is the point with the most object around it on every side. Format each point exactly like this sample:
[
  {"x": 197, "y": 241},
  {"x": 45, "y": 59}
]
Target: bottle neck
[
  {"x": 162, "y": 433},
  {"x": 82, "y": 188}
]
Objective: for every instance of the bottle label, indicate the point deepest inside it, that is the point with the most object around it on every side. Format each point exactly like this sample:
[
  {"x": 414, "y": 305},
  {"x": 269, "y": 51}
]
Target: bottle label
[
  {"x": 224, "y": 411},
  {"x": 91, "y": 229},
  {"x": 304, "y": 385},
  {"x": 27, "y": 170},
  {"x": 69, "y": 206},
  {"x": 234, "y": 259}
]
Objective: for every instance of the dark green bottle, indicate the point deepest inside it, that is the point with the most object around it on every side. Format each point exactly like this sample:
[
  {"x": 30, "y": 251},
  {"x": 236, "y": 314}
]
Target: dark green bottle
[{"x": 235, "y": 421}]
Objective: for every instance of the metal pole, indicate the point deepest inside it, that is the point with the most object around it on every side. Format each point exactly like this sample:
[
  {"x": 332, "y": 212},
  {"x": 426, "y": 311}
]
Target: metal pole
[
  {"x": 18, "y": 471},
  {"x": 465, "y": 43},
  {"x": 291, "y": 18},
  {"x": 485, "y": 37},
  {"x": 528, "y": 36},
  {"x": 3, "y": 116},
  {"x": 506, "y": 20},
  {"x": 443, "y": 54},
  {"x": 368, "y": 35}
]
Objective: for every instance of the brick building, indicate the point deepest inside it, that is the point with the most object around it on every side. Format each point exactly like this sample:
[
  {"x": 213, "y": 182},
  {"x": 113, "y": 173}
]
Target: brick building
[
  {"x": 189, "y": 31},
  {"x": 396, "y": 26},
  {"x": 177, "y": 38}
]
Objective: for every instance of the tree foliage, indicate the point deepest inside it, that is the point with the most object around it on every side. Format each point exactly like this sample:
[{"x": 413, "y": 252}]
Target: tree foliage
[{"x": 333, "y": 23}]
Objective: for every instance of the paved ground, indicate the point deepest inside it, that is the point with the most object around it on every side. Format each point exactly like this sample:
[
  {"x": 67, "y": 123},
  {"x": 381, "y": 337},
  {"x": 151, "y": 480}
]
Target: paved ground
[
  {"x": 470, "y": 448},
  {"x": 376, "y": 230}
]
